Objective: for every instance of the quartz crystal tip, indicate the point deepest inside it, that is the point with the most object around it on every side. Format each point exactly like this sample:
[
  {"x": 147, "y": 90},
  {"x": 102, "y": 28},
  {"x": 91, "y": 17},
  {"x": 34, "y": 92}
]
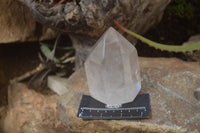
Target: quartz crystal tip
[{"x": 112, "y": 70}]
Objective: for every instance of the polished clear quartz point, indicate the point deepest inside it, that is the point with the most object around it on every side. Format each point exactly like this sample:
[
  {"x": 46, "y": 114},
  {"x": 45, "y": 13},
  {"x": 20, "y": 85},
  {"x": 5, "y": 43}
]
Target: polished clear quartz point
[{"x": 112, "y": 70}]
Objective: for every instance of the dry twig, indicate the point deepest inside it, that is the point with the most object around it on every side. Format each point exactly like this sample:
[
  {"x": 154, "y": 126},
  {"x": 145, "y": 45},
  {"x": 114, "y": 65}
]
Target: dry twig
[{"x": 27, "y": 74}]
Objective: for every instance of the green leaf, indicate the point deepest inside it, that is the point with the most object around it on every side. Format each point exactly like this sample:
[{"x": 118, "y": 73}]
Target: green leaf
[
  {"x": 57, "y": 48},
  {"x": 68, "y": 59},
  {"x": 174, "y": 48},
  {"x": 46, "y": 52}
]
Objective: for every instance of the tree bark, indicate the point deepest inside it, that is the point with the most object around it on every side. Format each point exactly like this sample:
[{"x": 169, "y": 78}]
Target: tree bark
[
  {"x": 86, "y": 20},
  {"x": 83, "y": 46}
]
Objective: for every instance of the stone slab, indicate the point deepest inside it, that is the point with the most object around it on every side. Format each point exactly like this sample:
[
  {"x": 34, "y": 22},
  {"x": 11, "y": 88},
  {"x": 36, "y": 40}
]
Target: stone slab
[
  {"x": 18, "y": 25},
  {"x": 31, "y": 112},
  {"x": 171, "y": 84}
]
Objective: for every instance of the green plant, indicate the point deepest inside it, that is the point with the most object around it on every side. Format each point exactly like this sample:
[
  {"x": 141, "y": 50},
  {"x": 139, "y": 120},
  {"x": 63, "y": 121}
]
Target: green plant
[
  {"x": 174, "y": 48},
  {"x": 47, "y": 52},
  {"x": 183, "y": 8},
  {"x": 50, "y": 63}
]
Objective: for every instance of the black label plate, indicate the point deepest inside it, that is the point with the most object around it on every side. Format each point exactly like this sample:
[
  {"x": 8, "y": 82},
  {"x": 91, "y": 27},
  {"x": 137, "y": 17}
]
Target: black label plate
[{"x": 92, "y": 109}]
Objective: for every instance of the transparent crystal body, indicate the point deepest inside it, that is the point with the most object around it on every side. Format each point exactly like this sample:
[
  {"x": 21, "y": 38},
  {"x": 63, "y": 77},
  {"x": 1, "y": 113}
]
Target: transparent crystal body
[{"x": 112, "y": 70}]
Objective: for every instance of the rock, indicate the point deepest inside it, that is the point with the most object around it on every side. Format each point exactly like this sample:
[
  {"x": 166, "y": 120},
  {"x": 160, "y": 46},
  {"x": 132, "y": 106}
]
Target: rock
[
  {"x": 57, "y": 84},
  {"x": 3, "y": 110},
  {"x": 170, "y": 83},
  {"x": 18, "y": 25},
  {"x": 193, "y": 55},
  {"x": 3, "y": 80},
  {"x": 192, "y": 39},
  {"x": 3, "y": 76},
  {"x": 197, "y": 93},
  {"x": 31, "y": 112}
]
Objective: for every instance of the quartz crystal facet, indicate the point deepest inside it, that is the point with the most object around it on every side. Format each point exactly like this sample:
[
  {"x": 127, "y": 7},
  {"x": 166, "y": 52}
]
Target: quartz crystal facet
[{"x": 112, "y": 70}]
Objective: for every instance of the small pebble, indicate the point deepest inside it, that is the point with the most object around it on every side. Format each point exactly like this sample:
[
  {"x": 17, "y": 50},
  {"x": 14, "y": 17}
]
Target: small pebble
[{"x": 197, "y": 93}]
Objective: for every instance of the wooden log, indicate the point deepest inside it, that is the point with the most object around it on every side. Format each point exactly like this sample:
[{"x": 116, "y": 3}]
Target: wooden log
[{"x": 86, "y": 20}]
